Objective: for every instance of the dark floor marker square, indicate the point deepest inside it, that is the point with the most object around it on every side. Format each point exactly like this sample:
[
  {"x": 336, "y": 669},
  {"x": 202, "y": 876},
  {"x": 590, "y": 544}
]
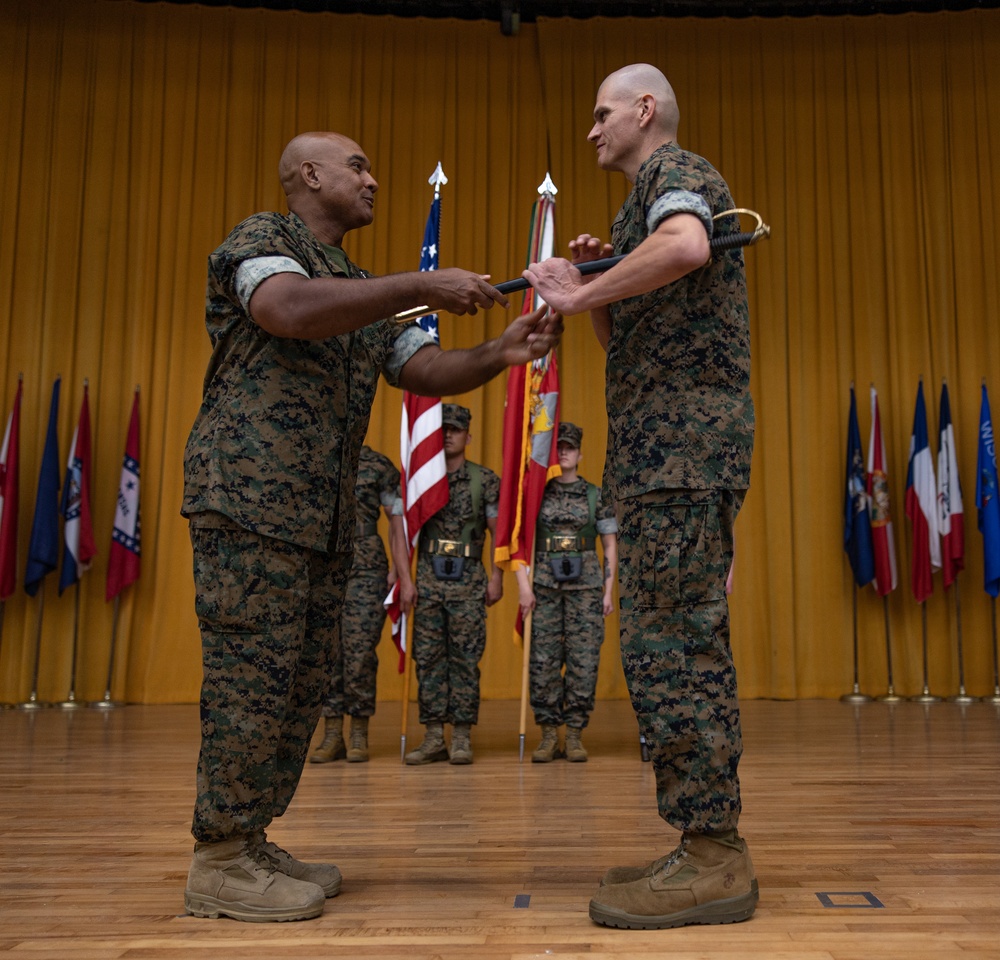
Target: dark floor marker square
[{"x": 856, "y": 900}]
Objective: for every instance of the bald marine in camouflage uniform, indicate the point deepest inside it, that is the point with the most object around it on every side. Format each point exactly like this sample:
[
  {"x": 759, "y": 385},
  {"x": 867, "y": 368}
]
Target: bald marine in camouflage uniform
[
  {"x": 680, "y": 437},
  {"x": 269, "y": 478},
  {"x": 354, "y": 671},
  {"x": 449, "y": 625},
  {"x": 570, "y": 596}
]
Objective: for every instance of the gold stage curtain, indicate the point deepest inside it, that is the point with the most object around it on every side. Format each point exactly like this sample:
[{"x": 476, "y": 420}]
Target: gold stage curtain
[{"x": 133, "y": 137}]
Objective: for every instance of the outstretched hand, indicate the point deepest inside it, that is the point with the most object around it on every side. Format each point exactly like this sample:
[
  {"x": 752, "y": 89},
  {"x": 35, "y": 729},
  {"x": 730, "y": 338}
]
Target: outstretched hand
[{"x": 530, "y": 336}]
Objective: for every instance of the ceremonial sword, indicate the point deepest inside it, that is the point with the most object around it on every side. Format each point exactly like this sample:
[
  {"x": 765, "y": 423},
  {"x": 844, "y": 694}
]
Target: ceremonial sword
[{"x": 726, "y": 241}]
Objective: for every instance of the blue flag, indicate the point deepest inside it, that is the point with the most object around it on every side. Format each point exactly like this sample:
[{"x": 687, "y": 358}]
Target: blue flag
[
  {"x": 429, "y": 260},
  {"x": 43, "y": 550},
  {"x": 987, "y": 503},
  {"x": 857, "y": 520}
]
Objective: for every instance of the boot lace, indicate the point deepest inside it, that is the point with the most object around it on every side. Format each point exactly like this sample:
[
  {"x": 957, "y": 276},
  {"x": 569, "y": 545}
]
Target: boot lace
[
  {"x": 256, "y": 851},
  {"x": 671, "y": 859}
]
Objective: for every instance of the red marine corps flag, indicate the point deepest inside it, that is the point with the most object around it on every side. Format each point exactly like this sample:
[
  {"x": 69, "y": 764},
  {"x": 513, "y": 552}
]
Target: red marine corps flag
[
  {"x": 531, "y": 421},
  {"x": 530, "y": 428}
]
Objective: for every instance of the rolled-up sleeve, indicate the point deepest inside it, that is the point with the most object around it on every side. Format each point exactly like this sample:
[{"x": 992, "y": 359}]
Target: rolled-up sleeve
[
  {"x": 411, "y": 339},
  {"x": 253, "y": 272},
  {"x": 679, "y": 201}
]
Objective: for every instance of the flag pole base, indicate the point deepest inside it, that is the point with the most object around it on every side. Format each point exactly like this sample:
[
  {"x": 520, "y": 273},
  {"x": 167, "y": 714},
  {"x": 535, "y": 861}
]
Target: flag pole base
[
  {"x": 890, "y": 696},
  {"x": 34, "y": 704},
  {"x": 70, "y": 703},
  {"x": 106, "y": 704},
  {"x": 962, "y": 698},
  {"x": 925, "y": 696},
  {"x": 855, "y": 696},
  {"x": 994, "y": 697},
  {"x": 643, "y": 749},
  {"x": 520, "y": 748},
  {"x": 402, "y": 748}
]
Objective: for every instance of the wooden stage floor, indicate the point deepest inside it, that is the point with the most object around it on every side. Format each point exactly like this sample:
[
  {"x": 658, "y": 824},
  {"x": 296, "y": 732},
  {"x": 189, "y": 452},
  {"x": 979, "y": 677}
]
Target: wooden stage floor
[{"x": 875, "y": 832}]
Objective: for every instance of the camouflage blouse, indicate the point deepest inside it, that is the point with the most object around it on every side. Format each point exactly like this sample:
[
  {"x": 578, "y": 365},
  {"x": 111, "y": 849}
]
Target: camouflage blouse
[
  {"x": 276, "y": 442},
  {"x": 680, "y": 414},
  {"x": 565, "y": 511}
]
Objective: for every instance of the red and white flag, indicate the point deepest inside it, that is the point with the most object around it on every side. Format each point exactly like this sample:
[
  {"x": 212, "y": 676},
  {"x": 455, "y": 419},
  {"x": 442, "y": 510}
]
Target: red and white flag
[
  {"x": 951, "y": 518},
  {"x": 883, "y": 545},
  {"x": 9, "y": 495},
  {"x": 123, "y": 559},
  {"x": 921, "y": 505}
]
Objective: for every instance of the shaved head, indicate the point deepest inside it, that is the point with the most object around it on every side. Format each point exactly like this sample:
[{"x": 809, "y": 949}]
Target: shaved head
[
  {"x": 638, "y": 80},
  {"x": 305, "y": 147}
]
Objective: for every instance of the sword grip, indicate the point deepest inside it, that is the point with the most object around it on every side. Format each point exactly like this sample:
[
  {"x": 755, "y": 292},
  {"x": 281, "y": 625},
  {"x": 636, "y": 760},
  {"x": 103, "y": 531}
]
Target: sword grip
[{"x": 726, "y": 241}]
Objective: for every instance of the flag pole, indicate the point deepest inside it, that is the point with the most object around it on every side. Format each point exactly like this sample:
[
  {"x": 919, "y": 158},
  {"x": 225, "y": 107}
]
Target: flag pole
[
  {"x": 526, "y": 661},
  {"x": 406, "y": 684},
  {"x": 855, "y": 696},
  {"x": 995, "y": 698},
  {"x": 33, "y": 703},
  {"x": 71, "y": 703},
  {"x": 961, "y": 696},
  {"x": 890, "y": 696},
  {"x": 925, "y": 695},
  {"x": 107, "y": 702}
]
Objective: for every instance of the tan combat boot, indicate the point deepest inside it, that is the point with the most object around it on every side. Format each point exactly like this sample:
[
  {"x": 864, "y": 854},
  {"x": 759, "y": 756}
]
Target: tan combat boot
[
  {"x": 709, "y": 878},
  {"x": 357, "y": 749},
  {"x": 460, "y": 751},
  {"x": 332, "y": 747},
  {"x": 575, "y": 751},
  {"x": 227, "y": 878},
  {"x": 324, "y": 875},
  {"x": 548, "y": 750},
  {"x": 432, "y": 749}
]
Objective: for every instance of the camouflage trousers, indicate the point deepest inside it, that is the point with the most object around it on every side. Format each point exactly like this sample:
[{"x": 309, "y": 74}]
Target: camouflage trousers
[
  {"x": 353, "y": 673},
  {"x": 567, "y": 629},
  {"x": 268, "y": 613},
  {"x": 449, "y": 638},
  {"x": 675, "y": 548}
]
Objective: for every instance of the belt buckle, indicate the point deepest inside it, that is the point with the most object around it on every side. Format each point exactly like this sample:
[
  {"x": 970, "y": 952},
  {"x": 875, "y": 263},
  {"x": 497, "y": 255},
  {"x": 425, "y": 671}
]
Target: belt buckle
[
  {"x": 565, "y": 543},
  {"x": 448, "y": 548}
]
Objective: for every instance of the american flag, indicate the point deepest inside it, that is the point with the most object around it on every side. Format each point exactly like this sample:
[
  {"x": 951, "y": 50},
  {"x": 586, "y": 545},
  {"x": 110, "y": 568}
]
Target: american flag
[{"x": 424, "y": 477}]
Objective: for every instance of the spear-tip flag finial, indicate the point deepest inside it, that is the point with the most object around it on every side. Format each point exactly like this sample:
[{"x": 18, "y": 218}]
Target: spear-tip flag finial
[
  {"x": 547, "y": 187},
  {"x": 437, "y": 179}
]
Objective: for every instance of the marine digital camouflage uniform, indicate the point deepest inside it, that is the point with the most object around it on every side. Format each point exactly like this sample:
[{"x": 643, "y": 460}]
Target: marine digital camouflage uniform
[
  {"x": 269, "y": 478},
  {"x": 567, "y": 625},
  {"x": 353, "y": 674},
  {"x": 449, "y": 624},
  {"x": 680, "y": 436}
]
